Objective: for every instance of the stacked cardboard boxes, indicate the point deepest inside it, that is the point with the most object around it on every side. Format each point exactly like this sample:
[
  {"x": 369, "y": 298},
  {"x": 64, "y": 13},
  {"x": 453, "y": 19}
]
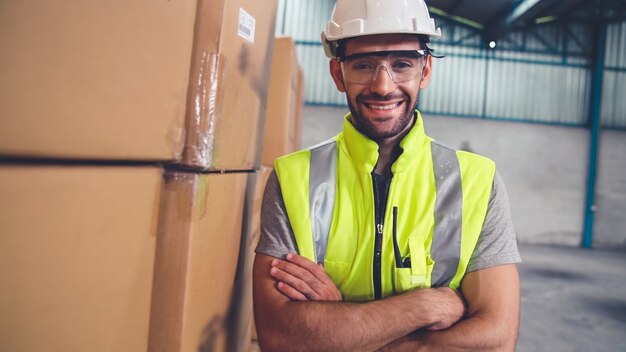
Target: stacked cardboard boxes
[
  {"x": 128, "y": 138},
  {"x": 245, "y": 317},
  {"x": 80, "y": 247},
  {"x": 198, "y": 243},
  {"x": 181, "y": 81},
  {"x": 76, "y": 256},
  {"x": 284, "y": 106},
  {"x": 282, "y": 132}
]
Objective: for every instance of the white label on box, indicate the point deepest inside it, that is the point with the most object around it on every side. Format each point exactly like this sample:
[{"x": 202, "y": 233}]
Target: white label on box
[{"x": 246, "y": 25}]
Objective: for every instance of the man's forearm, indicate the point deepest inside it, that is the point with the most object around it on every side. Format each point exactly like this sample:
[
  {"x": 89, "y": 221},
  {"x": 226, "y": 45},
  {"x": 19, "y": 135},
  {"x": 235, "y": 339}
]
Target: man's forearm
[
  {"x": 285, "y": 325},
  {"x": 492, "y": 323},
  {"x": 472, "y": 334},
  {"x": 350, "y": 326}
]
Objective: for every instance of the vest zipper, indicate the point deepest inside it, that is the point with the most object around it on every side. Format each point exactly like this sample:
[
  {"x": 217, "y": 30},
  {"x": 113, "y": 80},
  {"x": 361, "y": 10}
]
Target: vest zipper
[
  {"x": 378, "y": 244},
  {"x": 377, "y": 261}
]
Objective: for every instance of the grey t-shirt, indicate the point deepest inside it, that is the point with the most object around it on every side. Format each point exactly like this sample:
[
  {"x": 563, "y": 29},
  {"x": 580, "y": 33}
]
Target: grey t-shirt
[{"x": 496, "y": 245}]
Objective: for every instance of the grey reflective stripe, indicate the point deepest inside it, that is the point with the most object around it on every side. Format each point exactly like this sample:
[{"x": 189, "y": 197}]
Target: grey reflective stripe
[
  {"x": 446, "y": 245},
  {"x": 322, "y": 176}
]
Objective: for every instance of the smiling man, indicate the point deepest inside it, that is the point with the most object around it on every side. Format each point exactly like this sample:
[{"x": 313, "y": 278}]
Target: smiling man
[{"x": 382, "y": 238}]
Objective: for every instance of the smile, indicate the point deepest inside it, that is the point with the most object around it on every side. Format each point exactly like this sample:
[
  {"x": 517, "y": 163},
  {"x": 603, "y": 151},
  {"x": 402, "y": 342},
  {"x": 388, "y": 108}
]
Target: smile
[{"x": 383, "y": 107}]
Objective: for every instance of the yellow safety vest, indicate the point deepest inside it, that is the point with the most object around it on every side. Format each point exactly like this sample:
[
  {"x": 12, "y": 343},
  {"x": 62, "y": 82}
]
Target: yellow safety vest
[{"x": 435, "y": 211}]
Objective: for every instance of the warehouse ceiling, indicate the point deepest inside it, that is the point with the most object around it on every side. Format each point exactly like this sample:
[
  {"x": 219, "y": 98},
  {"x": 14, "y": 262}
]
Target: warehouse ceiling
[{"x": 497, "y": 17}]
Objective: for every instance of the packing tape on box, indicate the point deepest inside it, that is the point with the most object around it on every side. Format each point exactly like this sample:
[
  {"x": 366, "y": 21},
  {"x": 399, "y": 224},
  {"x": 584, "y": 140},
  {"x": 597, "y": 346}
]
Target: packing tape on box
[
  {"x": 228, "y": 84},
  {"x": 190, "y": 192},
  {"x": 203, "y": 108}
]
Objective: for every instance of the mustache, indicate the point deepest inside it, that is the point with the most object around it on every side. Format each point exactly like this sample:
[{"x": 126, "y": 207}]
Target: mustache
[{"x": 377, "y": 97}]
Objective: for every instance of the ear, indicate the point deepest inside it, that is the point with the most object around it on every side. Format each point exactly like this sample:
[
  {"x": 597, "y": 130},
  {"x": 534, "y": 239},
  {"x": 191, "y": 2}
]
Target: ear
[
  {"x": 426, "y": 72},
  {"x": 337, "y": 74}
]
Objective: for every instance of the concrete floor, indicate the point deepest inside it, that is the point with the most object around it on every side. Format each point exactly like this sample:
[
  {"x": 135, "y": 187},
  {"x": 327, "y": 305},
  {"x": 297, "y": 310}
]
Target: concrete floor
[{"x": 572, "y": 299}]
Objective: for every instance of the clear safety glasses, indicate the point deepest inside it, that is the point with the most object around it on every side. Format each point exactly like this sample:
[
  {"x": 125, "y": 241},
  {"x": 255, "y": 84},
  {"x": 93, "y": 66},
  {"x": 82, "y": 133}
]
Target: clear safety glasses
[{"x": 401, "y": 65}]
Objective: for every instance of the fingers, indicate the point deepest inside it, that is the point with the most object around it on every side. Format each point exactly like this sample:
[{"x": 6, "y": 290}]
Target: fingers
[
  {"x": 306, "y": 277},
  {"x": 314, "y": 268},
  {"x": 290, "y": 292},
  {"x": 299, "y": 272},
  {"x": 293, "y": 282},
  {"x": 313, "y": 274}
]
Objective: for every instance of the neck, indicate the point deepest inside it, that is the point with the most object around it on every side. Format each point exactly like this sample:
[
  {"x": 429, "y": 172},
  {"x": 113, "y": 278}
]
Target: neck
[{"x": 389, "y": 149}]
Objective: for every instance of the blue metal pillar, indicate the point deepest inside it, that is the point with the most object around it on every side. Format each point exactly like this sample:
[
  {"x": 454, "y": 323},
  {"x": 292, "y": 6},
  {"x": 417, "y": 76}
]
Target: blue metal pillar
[{"x": 594, "y": 117}]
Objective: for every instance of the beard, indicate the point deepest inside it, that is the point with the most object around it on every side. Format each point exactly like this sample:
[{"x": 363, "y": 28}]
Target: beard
[{"x": 369, "y": 128}]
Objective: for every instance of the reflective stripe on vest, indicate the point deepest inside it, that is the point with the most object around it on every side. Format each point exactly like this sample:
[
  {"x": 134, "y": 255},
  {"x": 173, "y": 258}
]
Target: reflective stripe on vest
[
  {"x": 446, "y": 245},
  {"x": 322, "y": 183}
]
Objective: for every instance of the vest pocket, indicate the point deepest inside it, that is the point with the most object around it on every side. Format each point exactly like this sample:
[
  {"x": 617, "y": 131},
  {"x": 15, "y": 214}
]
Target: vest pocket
[
  {"x": 403, "y": 280},
  {"x": 418, "y": 275}
]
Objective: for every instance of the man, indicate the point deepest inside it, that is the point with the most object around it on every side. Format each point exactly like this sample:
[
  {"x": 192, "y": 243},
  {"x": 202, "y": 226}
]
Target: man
[{"x": 382, "y": 238}]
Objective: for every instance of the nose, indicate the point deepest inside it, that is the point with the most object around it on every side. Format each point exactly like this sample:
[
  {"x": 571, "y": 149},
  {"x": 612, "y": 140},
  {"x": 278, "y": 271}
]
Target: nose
[{"x": 382, "y": 83}]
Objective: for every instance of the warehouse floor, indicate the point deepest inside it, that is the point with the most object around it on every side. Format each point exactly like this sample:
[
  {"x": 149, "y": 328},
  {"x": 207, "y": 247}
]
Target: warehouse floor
[{"x": 572, "y": 299}]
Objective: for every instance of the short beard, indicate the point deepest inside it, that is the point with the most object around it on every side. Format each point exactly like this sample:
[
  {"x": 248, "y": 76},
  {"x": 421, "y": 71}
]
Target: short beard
[{"x": 367, "y": 128}]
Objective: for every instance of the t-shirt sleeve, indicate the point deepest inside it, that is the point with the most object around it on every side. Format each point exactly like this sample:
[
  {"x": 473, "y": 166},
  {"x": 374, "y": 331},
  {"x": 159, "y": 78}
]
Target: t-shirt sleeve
[
  {"x": 277, "y": 238},
  {"x": 496, "y": 244}
]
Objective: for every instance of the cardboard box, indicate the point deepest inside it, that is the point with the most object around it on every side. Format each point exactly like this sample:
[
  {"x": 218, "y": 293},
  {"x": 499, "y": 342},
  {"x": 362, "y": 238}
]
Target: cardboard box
[
  {"x": 299, "y": 107},
  {"x": 244, "y": 330},
  {"x": 196, "y": 262},
  {"x": 229, "y": 81},
  {"x": 283, "y": 121},
  {"x": 76, "y": 257},
  {"x": 182, "y": 81}
]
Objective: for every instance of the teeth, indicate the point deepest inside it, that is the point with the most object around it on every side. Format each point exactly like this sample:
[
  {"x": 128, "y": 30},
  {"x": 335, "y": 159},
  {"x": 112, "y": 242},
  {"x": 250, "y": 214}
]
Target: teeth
[{"x": 383, "y": 107}]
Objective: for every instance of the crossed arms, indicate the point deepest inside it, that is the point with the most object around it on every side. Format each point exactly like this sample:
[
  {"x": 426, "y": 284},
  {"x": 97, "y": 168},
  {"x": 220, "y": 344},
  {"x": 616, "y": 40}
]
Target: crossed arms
[{"x": 297, "y": 307}]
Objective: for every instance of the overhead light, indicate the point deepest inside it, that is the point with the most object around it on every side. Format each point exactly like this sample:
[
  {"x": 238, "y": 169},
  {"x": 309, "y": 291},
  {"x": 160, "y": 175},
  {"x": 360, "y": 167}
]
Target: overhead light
[
  {"x": 545, "y": 19},
  {"x": 465, "y": 21},
  {"x": 492, "y": 44}
]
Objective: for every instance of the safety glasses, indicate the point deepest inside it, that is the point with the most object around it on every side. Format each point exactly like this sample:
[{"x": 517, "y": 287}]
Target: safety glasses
[{"x": 401, "y": 65}]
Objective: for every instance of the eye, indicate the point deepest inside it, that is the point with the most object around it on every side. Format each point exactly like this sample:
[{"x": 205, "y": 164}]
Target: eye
[
  {"x": 362, "y": 66},
  {"x": 403, "y": 65}
]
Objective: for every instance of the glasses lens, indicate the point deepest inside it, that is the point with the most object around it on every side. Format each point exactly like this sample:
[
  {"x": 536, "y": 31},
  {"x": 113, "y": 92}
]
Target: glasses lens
[{"x": 401, "y": 67}]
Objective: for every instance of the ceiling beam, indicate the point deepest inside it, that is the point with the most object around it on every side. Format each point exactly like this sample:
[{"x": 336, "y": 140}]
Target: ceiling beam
[
  {"x": 519, "y": 10},
  {"x": 455, "y": 6},
  {"x": 458, "y": 19},
  {"x": 503, "y": 23}
]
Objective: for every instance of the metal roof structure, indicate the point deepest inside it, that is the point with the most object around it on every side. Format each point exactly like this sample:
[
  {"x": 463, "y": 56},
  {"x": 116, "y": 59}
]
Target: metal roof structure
[{"x": 498, "y": 17}]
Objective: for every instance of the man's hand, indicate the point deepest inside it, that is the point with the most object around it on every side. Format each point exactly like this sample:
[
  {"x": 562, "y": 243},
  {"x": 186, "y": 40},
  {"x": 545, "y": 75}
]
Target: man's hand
[
  {"x": 448, "y": 310},
  {"x": 303, "y": 280},
  {"x": 492, "y": 320}
]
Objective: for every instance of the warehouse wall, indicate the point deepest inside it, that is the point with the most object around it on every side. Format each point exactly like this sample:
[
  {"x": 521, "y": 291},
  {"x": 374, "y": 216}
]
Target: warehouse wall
[
  {"x": 522, "y": 79},
  {"x": 527, "y": 77},
  {"x": 610, "y": 222},
  {"x": 613, "y": 102}
]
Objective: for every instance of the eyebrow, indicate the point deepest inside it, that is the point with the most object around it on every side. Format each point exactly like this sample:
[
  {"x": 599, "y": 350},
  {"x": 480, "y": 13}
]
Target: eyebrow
[{"x": 407, "y": 53}]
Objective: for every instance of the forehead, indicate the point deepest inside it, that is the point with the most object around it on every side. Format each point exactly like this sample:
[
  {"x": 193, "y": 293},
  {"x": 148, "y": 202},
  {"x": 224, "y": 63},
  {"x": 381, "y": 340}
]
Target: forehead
[{"x": 382, "y": 42}]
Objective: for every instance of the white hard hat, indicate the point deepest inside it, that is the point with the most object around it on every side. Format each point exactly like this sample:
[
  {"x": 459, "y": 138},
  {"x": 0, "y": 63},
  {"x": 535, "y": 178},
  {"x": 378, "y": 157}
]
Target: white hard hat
[{"x": 355, "y": 18}]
